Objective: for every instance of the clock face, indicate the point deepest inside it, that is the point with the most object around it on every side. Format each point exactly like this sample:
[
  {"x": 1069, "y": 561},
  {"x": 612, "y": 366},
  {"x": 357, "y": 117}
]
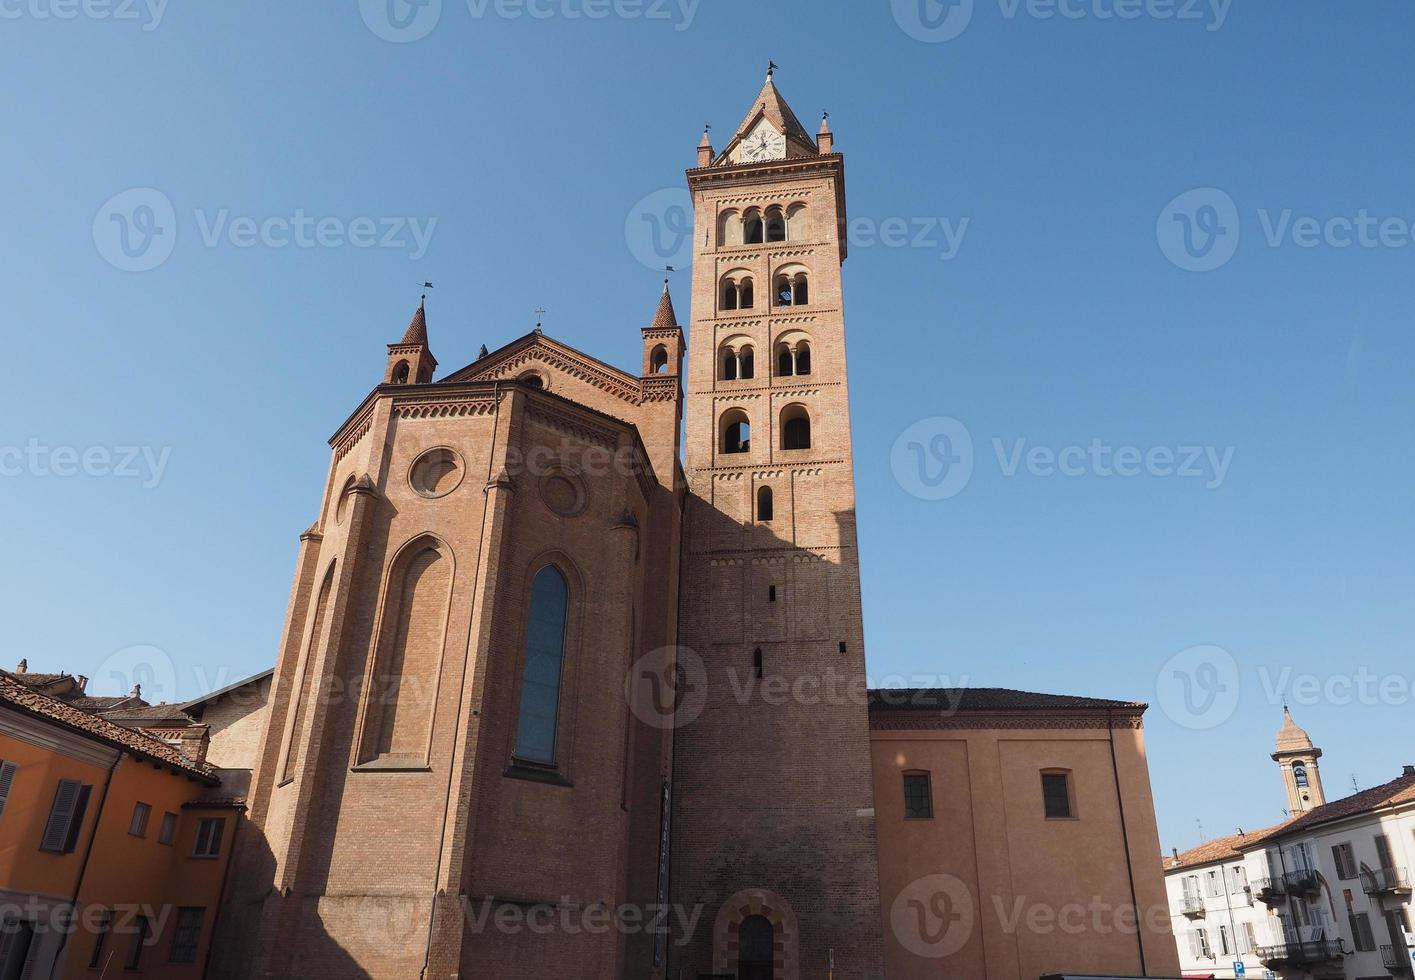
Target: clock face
[{"x": 764, "y": 143}]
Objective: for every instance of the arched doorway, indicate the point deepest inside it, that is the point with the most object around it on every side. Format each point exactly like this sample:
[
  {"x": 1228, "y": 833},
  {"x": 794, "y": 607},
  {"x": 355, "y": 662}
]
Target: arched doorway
[{"x": 756, "y": 945}]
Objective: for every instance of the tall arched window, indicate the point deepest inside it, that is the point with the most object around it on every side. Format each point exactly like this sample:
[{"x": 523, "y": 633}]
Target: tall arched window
[
  {"x": 1299, "y": 774},
  {"x": 658, "y": 360},
  {"x": 545, "y": 659},
  {"x": 400, "y": 373},
  {"x": 736, "y": 432},
  {"x": 748, "y": 362},
  {"x": 730, "y": 229},
  {"x": 753, "y": 231},
  {"x": 765, "y": 505},
  {"x": 775, "y": 225},
  {"x": 785, "y": 364},
  {"x": 729, "y": 366},
  {"x": 795, "y": 428},
  {"x": 729, "y": 295},
  {"x": 803, "y": 358},
  {"x": 745, "y": 297},
  {"x": 796, "y": 223},
  {"x": 756, "y": 942}
]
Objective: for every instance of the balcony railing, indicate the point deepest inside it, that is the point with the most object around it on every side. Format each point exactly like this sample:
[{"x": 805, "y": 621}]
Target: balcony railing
[
  {"x": 1302, "y": 881},
  {"x": 1191, "y": 905},
  {"x": 1384, "y": 881},
  {"x": 1395, "y": 958},
  {"x": 1316, "y": 951},
  {"x": 1268, "y": 889}
]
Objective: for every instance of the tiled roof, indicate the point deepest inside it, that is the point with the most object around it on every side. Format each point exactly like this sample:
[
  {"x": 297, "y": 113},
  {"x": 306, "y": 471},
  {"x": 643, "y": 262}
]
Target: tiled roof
[
  {"x": 1398, "y": 790},
  {"x": 417, "y": 328},
  {"x": 104, "y": 703},
  {"x": 1291, "y": 737},
  {"x": 665, "y": 318},
  {"x": 1218, "y": 849},
  {"x": 986, "y": 699},
  {"x": 32, "y": 680},
  {"x": 146, "y": 712},
  {"x": 16, "y": 695}
]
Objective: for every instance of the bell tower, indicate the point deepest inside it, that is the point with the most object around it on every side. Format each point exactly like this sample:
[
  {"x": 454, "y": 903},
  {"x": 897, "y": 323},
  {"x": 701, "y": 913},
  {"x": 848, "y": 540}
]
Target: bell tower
[
  {"x": 773, "y": 829},
  {"x": 1297, "y": 758}
]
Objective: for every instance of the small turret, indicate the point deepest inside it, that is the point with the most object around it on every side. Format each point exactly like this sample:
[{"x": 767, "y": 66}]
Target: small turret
[
  {"x": 663, "y": 339},
  {"x": 825, "y": 139},
  {"x": 1297, "y": 757},
  {"x": 410, "y": 361}
]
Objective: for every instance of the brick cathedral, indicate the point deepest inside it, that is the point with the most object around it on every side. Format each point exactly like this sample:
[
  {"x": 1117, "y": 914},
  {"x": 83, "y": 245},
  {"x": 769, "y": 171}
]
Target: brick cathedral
[{"x": 520, "y": 688}]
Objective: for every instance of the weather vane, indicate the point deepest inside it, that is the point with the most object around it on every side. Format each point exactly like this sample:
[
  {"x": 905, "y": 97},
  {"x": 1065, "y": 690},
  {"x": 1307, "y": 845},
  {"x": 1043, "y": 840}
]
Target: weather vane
[
  {"x": 426, "y": 287},
  {"x": 540, "y": 315}
]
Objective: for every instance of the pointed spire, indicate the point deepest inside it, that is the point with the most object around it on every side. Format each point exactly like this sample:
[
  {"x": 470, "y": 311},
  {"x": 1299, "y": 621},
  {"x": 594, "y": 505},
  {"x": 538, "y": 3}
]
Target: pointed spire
[
  {"x": 417, "y": 327},
  {"x": 1291, "y": 737},
  {"x": 665, "y": 318},
  {"x": 769, "y": 102},
  {"x": 825, "y": 139}
]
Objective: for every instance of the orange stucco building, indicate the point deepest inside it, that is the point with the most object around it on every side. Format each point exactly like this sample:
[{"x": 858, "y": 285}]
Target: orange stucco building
[{"x": 113, "y": 846}]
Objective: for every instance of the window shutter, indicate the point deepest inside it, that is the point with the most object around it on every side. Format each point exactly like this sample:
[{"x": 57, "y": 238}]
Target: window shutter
[
  {"x": 7, "y": 779},
  {"x": 1383, "y": 851},
  {"x": 1194, "y": 945},
  {"x": 61, "y": 814},
  {"x": 77, "y": 823},
  {"x": 31, "y": 967}
]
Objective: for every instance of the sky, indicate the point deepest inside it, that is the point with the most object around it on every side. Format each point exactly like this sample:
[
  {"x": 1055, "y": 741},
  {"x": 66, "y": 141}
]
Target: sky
[{"x": 1128, "y": 311}]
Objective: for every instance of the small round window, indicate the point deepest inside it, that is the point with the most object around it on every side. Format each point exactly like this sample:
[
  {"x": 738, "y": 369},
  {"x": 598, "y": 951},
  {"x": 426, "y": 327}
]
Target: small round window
[
  {"x": 436, "y": 473},
  {"x": 562, "y": 494}
]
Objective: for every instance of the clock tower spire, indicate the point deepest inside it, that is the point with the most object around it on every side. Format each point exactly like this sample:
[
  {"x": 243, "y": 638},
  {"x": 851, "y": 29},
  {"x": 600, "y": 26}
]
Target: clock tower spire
[{"x": 773, "y": 829}]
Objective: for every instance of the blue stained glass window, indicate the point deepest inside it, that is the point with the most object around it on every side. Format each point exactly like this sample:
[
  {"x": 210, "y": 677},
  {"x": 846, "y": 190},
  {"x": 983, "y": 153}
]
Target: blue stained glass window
[{"x": 545, "y": 656}]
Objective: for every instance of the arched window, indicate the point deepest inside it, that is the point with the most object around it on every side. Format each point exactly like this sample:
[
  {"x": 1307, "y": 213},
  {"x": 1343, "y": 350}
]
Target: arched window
[
  {"x": 730, "y": 228},
  {"x": 765, "y": 509},
  {"x": 729, "y": 366},
  {"x": 745, "y": 297},
  {"x": 753, "y": 231},
  {"x": 785, "y": 366},
  {"x": 795, "y": 428},
  {"x": 400, "y": 700},
  {"x": 747, "y": 360},
  {"x": 400, "y": 373},
  {"x": 775, "y": 225},
  {"x": 545, "y": 660},
  {"x": 803, "y": 358},
  {"x": 1299, "y": 774},
  {"x": 793, "y": 355},
  {"x": 796, "y": 223},
  {"x": 532, "y": 380},
  {"x": 736, "y": 432},
  {"x": 729, "y": 295},
  {"x": 800, "y": 295},
  {"x": 791, "y": 287},
  {"x": 658, "y": 360},
  {"x": 756, "y": 942}
]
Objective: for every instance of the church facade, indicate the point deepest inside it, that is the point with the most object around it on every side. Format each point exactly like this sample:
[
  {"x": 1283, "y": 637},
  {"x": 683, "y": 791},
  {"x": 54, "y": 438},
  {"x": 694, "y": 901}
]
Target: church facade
[{"x": 522, "y": 722}]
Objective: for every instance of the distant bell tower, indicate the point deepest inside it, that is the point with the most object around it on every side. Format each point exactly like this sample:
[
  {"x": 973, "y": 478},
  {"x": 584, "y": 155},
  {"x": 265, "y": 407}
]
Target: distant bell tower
[
  {"x": 1297, "y": 758},
  {"x": 773, "y": 832}
]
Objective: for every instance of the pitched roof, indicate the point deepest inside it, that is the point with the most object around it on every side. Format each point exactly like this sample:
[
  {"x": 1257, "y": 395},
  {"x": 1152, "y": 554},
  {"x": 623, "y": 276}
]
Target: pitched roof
[
  {"x": 1290, "y": 737},
  {"x": 146, "y": 712},
  {"x": 1218, "y": 849},
  {"x": 1398, "y": 790},
  {"x": 229, "y": 688},
  {"x": 143, "y": 746},
  {"x": 986, "y": 699},
  {"x": 772, "y": 104},
  {"x": 665, "y": 318}
]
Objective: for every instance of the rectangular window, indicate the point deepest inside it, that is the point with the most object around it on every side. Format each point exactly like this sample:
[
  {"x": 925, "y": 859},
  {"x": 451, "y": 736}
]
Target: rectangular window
[
  {"x": 186, "y": 935},
  {"x": 1215, "y": 884},
  {"x": 141, "y": 928},
  {"x": 66, "y": 817},
  {"x": 209, "y": 832},
  {"x": 1056, "y": 795},
  {"x": 138, "y": 825},
  {"x": 1203, "y": 938},
  {"x": 1383, "y": 851},
  {"x": 168, "y": 830},
  {"x": 1361, "y": 935},
  {"x": 1345, "y": 860},
  {"x": 7, "y": 780},
  {"x": 105, "y": 919},
  {"x": 17, "y": 942},
  {"x": 1247, "y": 941},
  {"x": 918, "y": 801},
  {"x": 1223, "y": 941}
]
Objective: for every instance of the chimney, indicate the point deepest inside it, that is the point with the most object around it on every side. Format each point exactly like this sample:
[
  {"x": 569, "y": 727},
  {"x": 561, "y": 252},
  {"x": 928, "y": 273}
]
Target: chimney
[
  {"x": 1409, "y": 771},
  {"x": 23, "y": 668},
  {"x": 194, "y": 742},
  {"x": 136, "y": 692},
  {"x": 81, "y": 682},
  {"x": 1175, "y": 850}
]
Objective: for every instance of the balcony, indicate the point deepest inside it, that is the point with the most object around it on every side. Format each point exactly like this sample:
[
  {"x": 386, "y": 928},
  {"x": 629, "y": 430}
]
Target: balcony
[
  {"x": 1303, "y": 881},
  {"x": 1298, "y": 954},
  {"x": 1395, "y": 958},
  {"x": 1269, "y": 889},
  {"x": 1191, "y": 905},
  {"x": 1386, "y": 881}
]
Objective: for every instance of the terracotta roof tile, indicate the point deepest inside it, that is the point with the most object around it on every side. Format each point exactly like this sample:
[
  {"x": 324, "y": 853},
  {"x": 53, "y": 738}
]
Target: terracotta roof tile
[
  {"x": 1398, "y": 790},
  {"x": 17, "y": 696},
  {"x": 417, "y": 328},
  {"x": 1218, "y": 849},
  {"x": 665, "y": 317}
]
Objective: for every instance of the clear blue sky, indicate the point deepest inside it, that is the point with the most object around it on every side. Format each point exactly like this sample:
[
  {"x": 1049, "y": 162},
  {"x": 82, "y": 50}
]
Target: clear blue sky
[{"x": 1059, "y": 320}]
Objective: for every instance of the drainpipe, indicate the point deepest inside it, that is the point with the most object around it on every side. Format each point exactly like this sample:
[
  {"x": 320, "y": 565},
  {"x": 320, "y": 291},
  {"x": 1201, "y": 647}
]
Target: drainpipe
[
  {"x": 1125, "y": 840},
  {"x": 88, "y": 852}
]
